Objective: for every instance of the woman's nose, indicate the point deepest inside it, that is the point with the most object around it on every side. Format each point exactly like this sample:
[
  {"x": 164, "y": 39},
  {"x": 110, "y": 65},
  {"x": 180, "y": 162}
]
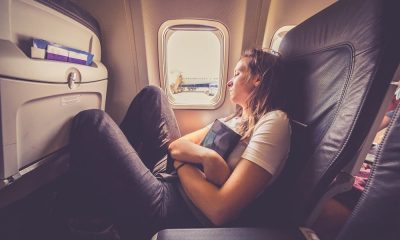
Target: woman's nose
[{"x": 229, "y": 83}]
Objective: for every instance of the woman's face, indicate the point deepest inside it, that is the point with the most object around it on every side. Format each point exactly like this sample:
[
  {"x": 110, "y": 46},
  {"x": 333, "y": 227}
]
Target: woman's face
[{"x": 241, "y": 85}]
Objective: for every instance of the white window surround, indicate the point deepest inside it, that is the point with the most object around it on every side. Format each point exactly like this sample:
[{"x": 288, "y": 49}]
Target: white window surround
[
  {"x": 278, "y": 37},
  {"x": 215, "y": 97}
]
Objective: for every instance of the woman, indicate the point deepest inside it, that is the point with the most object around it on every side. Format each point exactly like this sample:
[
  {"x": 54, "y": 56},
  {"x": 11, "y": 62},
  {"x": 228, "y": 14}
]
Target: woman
[{"x": 116, "y": 169}]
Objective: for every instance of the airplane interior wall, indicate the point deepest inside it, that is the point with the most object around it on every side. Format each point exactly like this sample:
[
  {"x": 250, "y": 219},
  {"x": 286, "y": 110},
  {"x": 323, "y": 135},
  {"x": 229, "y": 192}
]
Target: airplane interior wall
[
  {"x": 130, "y": 31},
  {"x": 236, "y": 15},
  {"x": 130, "y": 41},
  {"x": 290, "y": 12},
  {"x": 118, "y": 50}
]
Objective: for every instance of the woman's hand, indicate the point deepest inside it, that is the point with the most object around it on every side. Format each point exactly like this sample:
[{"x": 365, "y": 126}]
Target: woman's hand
[
  {"x": 215, "y": 168},
  {"x": 177, "y": 163}
]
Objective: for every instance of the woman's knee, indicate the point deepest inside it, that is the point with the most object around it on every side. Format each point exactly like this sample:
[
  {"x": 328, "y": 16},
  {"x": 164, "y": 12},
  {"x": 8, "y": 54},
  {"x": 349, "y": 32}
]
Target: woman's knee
[
  {"x": 90, "y": 115},
  {"x": 152, "y": 90},
  {"x": 150, "y": 97},
  {"x": 151, "y": 93},
  {"x": 87, "y": 119}
]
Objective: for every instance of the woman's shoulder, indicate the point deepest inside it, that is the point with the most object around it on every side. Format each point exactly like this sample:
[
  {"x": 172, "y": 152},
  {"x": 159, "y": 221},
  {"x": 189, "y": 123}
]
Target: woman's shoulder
[
  {"x": 277, "y": 120},
  {"x": 277, "y": 115}
]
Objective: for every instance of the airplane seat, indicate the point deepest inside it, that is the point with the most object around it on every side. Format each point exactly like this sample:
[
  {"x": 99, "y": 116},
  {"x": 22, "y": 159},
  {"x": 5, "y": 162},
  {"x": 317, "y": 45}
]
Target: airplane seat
[
  {"x": 39, "y": 96},
  {"x": 338, "y": 65},
  {"x": 376, "y": 215},
  {"x": 378, "y": 207}
]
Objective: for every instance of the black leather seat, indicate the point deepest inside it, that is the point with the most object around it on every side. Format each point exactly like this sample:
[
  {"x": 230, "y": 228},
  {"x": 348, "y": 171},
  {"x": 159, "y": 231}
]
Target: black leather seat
[
  {"x": 377, "y": 213},
  {"x": 338, "y": 65}
]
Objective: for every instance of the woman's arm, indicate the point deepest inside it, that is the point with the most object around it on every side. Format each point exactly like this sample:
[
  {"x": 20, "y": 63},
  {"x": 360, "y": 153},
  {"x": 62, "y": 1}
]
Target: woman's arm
[
  {"x": 187, "y": 149},
  {"x": 264, "y": 155},
  {"x": 222, "y": 204},
  {"x": 196, "y": 136},
  {"x": 215, "y": 168}
]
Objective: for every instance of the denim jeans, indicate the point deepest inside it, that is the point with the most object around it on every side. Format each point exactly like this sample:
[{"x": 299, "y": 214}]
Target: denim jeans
[{"x": 114, "y": 164}]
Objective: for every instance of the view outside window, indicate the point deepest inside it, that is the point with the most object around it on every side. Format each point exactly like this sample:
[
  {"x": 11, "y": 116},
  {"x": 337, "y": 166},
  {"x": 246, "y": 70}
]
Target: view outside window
[{"x": 193, "y": 65}]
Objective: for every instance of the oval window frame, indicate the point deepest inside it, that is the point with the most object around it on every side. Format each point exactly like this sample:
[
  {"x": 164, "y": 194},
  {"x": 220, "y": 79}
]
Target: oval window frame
[{"x": 167, "y": 29}]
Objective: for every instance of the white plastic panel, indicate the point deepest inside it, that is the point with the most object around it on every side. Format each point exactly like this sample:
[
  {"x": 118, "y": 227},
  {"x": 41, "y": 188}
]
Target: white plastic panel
[
  {"x": 30, "y": 19},
  {"x": 23, "y": 20},
  {"x": 5, "y": 19},
  {"x": 15, "y": 64},
  {"x": 36, "y": 118},
  {"x": 40, "y": 131}
]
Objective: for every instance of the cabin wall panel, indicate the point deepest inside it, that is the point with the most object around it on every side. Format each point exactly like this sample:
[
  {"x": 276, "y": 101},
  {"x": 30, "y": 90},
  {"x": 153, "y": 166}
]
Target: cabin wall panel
[
  {"x": 130, "y": 44},
  {"x": 290, "y": 12},
  {"x": 154, "y": 14},
  {"x": 254, "y": 28},
  {"x": 242, "y": 19},
  {"x": 119, "y": 53}
]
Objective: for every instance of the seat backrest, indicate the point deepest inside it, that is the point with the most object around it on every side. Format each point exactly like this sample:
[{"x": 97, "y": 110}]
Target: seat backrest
[
  {"x": 377, "y": 213},
  {"x": 338, "y": 66}
]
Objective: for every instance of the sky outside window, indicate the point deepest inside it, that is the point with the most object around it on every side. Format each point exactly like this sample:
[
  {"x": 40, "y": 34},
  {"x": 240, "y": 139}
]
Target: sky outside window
[
  {"x": 195, "y": 55},
  {"x": 193, "y": 67}
]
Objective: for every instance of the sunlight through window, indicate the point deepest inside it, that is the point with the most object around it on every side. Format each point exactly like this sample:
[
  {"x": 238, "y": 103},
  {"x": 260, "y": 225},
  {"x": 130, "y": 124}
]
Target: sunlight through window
[{"x": 193, "y": 69}]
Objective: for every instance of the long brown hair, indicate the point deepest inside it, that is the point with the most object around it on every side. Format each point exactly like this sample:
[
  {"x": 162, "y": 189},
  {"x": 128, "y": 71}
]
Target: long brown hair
[{"x": 268, "y": 95}]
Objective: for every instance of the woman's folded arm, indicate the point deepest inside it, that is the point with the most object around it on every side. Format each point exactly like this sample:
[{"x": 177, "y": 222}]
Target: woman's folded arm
[
  {"x": 187, "y": 149},
  {"x": 214, "y": 166},
  {"x": 222, "y": 204}
]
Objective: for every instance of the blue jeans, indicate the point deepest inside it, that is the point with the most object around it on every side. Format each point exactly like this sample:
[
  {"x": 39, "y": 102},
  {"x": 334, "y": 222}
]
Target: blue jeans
[{"x": 115, "y": 165}]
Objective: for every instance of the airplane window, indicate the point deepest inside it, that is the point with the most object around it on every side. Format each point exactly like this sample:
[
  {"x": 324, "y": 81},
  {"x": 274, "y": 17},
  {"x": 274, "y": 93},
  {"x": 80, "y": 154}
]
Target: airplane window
[
  {"x": 192, "y": 58},
  {"x": 278, "y": 37}
]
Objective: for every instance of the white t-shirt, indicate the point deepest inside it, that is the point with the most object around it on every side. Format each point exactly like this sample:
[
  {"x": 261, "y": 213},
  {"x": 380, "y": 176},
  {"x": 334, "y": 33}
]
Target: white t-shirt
[{"x": 269, "y": 145}]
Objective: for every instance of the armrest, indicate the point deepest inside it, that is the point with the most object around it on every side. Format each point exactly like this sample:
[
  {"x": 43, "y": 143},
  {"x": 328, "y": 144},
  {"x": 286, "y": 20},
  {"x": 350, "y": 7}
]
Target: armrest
[{"x": 228, "y": 233}]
